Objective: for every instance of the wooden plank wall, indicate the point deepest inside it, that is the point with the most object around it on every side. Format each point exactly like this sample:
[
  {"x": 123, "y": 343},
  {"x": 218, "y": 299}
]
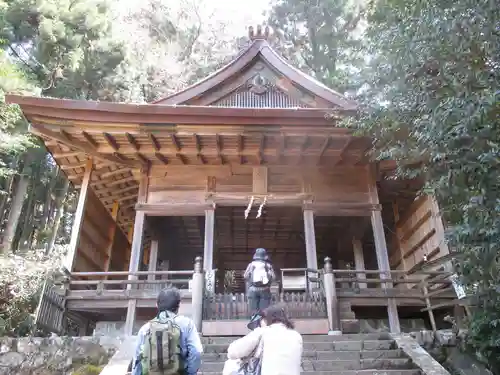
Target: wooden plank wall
[
  {"x": 189, "y": 184},
  {"x": 419, "y": 233},
  {"x": 95, "y": 239}
]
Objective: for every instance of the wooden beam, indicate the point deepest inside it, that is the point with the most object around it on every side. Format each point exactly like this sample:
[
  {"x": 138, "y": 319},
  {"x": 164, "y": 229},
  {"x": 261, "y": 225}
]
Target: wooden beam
[
  {"x": 144, "y": 159},
  {"x": 113, "y": 190},
  {"x": 60, "y": 155},
  {"x": 197, "y": 143},
  {"x": 175, "y": 142},
  {"x": 303, "y": 147},
  {"x": 161, "y": 158},
  {"x": 154, "y": 141},
  {"x": 119, "y": 181},
  {"x": 73, "y": 166},
  {"x": 82, "y": 146},
  {"x": 89, "y": 139},
  {"x": 132, "y": 141},
  {"x": 107, "y": 175},
  {"x": 123, "y": 199},
  {"x": 325, "y": 146},
  {"x": 111, "y": 141},
  {"x": 182, "y": 158},
  {"x": 218, "y": 147},
  {"x": 79, "y": 215}
]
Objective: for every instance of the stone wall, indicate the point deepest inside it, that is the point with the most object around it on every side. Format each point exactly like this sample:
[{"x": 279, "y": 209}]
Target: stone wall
[
  {"x": 114, "y": 329},
  {"x": 55, "y": 355},
  {"x": 448, "y": 348}
]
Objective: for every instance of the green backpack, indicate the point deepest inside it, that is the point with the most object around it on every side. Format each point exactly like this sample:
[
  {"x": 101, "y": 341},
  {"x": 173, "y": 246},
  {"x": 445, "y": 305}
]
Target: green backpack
[{"x": 160, "y": 353}]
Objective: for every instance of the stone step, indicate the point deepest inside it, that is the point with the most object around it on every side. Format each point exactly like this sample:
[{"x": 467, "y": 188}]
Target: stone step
[
  {"x": 310, "y": 338},
  {"x": 324, "y": 346},
  {"x": 329, "y": 365},
  {"x": 347, "y": 372},
  {"x": 328, "y": 355}
]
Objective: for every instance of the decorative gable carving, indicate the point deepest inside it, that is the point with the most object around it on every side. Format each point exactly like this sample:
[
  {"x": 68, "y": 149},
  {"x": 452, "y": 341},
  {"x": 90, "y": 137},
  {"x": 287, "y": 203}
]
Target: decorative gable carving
[
  {"x": 260, "y": 88},
  {"x": 259, "y": 85},
  {"x": 260, "y": 95}
]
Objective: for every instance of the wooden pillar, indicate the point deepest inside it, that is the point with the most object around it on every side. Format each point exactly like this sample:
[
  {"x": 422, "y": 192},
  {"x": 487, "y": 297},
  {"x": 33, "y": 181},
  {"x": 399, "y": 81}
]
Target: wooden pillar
[
  {"x": 111, "y": 234},
  {"x": 310, "y": 237},
  {"x": 359, "y": 261},
  {"x": 332, "y": 303},
  {"x": 79, "y": 214},
  {"x": 197, "y": 292},
  {"x": 153, "y": 259},
  {"x": 208, "y": 251},
  {"x": 382, "y": 255},
  {"x": 395, "y": 210},
  {"x": 135, "y": 256}
]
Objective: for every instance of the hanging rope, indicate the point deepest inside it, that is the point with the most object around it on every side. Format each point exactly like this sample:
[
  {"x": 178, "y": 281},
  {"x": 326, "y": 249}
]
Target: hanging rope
[
  {"x": 259, "y": 213},
  {"x": 249, "y": 207}
]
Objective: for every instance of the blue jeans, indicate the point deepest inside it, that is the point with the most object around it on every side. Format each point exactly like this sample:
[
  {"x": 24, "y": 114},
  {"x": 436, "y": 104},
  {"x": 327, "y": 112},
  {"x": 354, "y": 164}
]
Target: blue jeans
[{"x": 258, "y": 299}]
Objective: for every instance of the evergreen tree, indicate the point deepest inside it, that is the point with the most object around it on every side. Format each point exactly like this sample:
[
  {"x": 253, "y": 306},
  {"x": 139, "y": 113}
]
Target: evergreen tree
[
  {"x": 321, "y": 37},
  {"x": 432, "y": 94},
  {"x": 65, "y": 45}
]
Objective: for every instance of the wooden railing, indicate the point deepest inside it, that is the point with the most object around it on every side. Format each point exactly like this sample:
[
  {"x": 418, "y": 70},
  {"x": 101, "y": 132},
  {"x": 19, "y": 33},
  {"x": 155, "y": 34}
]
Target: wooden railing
[
  {"x": 431, "y": 289},
  {"x": 102, "y": 285},
  {"x": 235, "y": 306}
]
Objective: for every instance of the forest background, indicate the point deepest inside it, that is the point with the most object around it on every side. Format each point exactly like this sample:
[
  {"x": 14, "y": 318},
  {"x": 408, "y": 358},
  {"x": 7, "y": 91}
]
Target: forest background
[{"x": 426, "y": 75}]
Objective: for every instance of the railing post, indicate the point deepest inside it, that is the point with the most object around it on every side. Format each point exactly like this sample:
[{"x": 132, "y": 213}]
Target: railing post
[
  {"x": 332, "y": 306},
  {"x": 197, "y": 292},
  {"x": 428, "y": 304}
]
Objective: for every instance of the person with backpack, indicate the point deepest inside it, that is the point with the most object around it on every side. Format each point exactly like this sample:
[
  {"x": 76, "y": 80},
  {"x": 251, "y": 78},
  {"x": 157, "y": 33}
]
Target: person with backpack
[
  {"x": 169, "y": 344},
  {"x": 258, "y": 276}
]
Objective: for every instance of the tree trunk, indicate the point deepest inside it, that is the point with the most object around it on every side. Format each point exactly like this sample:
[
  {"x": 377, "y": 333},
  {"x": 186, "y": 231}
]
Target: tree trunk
[
  {"x": 8, "y": 190},
  {"x": 47, "y": 206},
  {"x": 59, "y": 212},
  {"x": 29, "y": 218},
  {"x": 15, "y": 213}
]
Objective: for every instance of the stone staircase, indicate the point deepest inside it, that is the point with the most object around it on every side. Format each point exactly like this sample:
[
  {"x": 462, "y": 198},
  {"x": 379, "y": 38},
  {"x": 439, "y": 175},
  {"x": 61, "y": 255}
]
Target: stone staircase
[{"x": 368, "y": 354}]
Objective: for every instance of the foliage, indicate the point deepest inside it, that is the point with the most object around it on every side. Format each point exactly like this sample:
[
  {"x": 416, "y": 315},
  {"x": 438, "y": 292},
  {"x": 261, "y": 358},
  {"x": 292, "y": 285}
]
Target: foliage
[
  {"x": 170, "y": 47},
  {"x": 320, "y": 37},
  {"x": 21, "y": 281},
  {"x": 88, "y": 370},
  {"x": 65, "y": 45},
  {"x": 484, "y": 332},
  {"x": 431, "y": 94},
  {"x": 13, "y": 137}
]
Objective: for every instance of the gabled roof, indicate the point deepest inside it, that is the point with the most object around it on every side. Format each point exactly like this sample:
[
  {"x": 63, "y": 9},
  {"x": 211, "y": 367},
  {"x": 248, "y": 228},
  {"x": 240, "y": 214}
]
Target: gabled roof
[{"x": 259, "y": 50}]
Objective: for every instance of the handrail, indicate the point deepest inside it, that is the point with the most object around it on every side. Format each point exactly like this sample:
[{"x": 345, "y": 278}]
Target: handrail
[
  {"x": 126, "y": 273},
  {"x": 305, "y": 269},
  {"x": 121, "y": 282}
]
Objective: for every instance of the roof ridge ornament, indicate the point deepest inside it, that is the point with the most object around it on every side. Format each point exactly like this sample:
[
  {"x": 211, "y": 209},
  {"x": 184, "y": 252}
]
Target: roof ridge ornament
[{"x": 252, "y": 35}]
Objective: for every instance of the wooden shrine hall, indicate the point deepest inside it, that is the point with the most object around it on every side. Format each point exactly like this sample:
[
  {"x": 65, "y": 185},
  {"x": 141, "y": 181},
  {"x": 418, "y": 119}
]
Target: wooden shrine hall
[{"x": 251, "y": 156}]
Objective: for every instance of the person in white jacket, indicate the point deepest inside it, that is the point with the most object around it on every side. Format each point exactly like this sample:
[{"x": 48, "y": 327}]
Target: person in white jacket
[{"x": 276, "y": 341}]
